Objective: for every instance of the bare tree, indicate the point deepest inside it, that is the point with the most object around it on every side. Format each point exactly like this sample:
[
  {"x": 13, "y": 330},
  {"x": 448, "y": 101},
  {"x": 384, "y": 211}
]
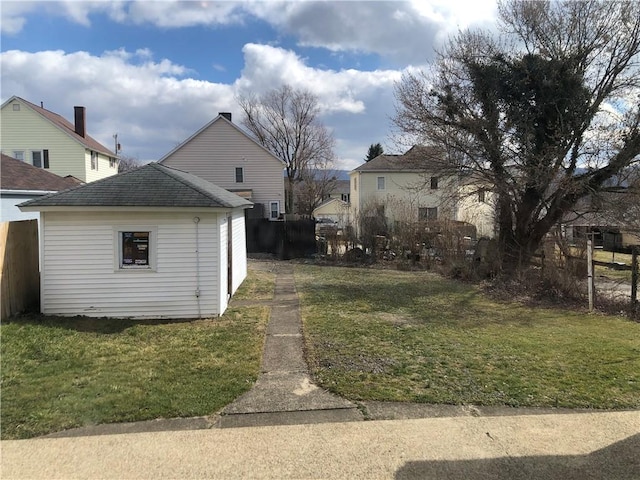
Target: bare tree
[
  {"x": 545, "y": 115},
  {"x": 314, "y": 187},
  {"x": 285, "y": 121},
  {"x": 126, "y": 163}
]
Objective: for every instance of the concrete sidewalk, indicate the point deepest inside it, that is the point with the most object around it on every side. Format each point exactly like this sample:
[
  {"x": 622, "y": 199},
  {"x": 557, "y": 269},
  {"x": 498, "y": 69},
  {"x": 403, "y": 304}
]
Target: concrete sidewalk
[
  {"x": 284, "y": 393},
  {"x": 568, "y": 447}
]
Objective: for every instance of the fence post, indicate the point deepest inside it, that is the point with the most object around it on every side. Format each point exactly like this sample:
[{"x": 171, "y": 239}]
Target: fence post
[
  {"x": 590, "y": 272},
  {"x": 634, "y": 278}
]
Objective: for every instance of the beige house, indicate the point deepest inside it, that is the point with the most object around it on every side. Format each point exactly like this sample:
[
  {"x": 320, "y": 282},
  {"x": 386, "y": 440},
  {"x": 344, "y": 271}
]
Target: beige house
[
  {"x": 223, "y": 154},
  {"x": 44, "y": 139},
  {"x": 335, "y": 210},
  {"x": 400, "y": 188}
]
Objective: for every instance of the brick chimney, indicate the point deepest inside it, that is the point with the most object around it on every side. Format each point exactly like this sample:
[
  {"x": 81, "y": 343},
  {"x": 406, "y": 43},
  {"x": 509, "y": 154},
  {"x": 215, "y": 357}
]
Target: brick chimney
[
  {"x": 80, "y": 121},
  {"x": 226, "y": 115}
]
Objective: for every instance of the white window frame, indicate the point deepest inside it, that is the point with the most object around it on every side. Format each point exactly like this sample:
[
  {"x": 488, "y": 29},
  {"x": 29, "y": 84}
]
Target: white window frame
[
  {"x": 277, "y": 203},
  {"x": 118, "y": 248},
  {"x": 112, "y": 162},
  {"x": 241, "y": 170},
  {"x": 19, "y": 155},
  {"x": 381, "y": 183},
  {"x": 94, "y": 163}
]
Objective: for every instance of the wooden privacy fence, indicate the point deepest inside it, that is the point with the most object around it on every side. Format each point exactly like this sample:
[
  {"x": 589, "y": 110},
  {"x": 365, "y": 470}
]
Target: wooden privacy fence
[
  {"x": 20, "y": 278},
  {"x": 286, "y": 239}
]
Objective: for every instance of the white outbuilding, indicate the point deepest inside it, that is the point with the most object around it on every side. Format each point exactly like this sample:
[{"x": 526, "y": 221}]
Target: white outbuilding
[{"x": 154, "y": 242}]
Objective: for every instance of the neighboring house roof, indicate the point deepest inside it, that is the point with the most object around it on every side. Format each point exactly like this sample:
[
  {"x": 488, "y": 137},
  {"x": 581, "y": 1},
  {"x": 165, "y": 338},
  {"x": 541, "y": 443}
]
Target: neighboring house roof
[
  {"x": 342, "y": 186},
  {"x": 18, "y": 175},
  {"x": 342, "y": 203},
  {"x": 151, "y": 185},
  {"x": 416, "y": 159},
  {"x": 220, "y": 118},
  {"x": 63, "y": 124}
]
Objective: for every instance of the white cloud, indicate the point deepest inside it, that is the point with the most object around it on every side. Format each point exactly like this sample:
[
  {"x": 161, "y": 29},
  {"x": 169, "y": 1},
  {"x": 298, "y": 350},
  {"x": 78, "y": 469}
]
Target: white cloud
[
  {"x": 12, "y": 16},
  {"x": 154, "y": 105},
  {"x": 267, "y": 67},
  {"x": 148, "y": 104},
  {"x": 400, "y": 31},
  {"x": 174, "y": 14}
]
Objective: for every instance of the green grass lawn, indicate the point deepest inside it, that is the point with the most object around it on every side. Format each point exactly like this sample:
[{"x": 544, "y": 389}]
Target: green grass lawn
[
  {"x": 59, "y": 373},
  {"x": 613, "y": 274},
  {"x": 414, "y": 336},
  {"x": 259, "y": 285}
]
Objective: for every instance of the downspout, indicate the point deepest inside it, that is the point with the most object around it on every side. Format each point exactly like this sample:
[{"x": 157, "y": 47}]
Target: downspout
[{"x": 196, "y": 220}]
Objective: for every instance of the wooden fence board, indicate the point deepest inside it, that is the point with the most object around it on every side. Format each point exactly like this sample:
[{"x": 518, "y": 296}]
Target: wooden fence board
[{"x": 19, "y": 269}]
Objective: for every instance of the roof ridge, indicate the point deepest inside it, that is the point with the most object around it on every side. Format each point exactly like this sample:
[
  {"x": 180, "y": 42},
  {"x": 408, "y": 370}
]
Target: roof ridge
[
  {"x": 207, "y": 125},
  {"x": 192, "y": 186}
]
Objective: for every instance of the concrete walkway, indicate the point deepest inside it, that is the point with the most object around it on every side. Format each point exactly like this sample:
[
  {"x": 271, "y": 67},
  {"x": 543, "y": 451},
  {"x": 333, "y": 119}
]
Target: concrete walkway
[{"x": 284, "y": 393}]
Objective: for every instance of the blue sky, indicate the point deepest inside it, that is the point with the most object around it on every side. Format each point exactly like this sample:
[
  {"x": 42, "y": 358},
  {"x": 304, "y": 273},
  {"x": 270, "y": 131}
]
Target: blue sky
[{"x": 155, "y": 72}]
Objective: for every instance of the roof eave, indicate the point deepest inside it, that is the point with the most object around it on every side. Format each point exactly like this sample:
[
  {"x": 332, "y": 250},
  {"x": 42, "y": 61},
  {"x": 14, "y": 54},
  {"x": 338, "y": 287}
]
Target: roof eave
[{"x": 79, "y": 208}]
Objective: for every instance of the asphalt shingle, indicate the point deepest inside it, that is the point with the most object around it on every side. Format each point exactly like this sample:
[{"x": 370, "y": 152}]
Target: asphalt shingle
[
  {"x": 18, "y": 175},
  {"x": 152, "y": 185}
]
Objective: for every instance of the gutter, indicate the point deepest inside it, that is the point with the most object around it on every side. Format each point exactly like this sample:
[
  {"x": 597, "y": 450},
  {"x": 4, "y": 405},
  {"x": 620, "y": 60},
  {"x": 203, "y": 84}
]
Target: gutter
[{"x": 27, "y": 192}]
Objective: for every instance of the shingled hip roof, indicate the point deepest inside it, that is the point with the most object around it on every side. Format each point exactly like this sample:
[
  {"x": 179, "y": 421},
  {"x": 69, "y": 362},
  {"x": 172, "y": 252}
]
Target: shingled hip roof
[{"x": 151, "y": 185}]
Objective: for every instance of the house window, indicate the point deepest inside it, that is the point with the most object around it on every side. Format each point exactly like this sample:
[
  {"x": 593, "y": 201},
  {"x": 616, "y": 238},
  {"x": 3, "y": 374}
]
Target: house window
[
  {"x": 36, "y": 159},
  {"x": 112, "y": 162},
  {"x": 345, "y": 197},
  {"x": 18, "y": 155},
  {"x": 239, "y": 175},
  {"x": 274, "y": 210},
  {"x": 355, "y": 184},
  {"x": 428, "y": 213},
  {"x": 16, "y": 107},
  {"x": 434, "y": 183},
  {"x": 94, "y": 160},
  {"x": 481, "y": 196},
  {"x": 380, "y": 183},
  {"x": 134, "y": 250}
]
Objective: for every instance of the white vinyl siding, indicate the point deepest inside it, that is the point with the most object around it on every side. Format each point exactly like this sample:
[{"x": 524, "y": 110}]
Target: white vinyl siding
[
  {"x": 239, "y": 258},
  {"x": 103, "y": 169},
  {"x": 9, "y": 212},
  {"x": 223, "y": 288},
  {"x": 78, "y": 275},
  {"x": 218, "y": 150}
]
